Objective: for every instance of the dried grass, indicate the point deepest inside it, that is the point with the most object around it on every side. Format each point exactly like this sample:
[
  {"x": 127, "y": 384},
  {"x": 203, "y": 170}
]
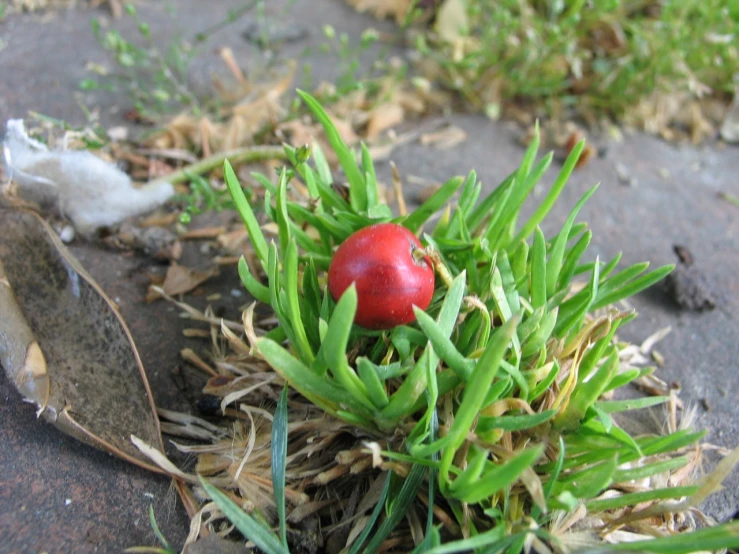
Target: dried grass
[{"x": 334, "y": 470}]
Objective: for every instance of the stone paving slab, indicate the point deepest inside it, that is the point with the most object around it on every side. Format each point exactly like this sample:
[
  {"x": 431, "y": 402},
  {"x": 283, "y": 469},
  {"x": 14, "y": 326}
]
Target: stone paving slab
[{"x": 42, "y": 62}]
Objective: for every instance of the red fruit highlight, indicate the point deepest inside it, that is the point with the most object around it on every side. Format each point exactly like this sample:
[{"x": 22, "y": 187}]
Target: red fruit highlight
[{"x": 389, "y": 279}]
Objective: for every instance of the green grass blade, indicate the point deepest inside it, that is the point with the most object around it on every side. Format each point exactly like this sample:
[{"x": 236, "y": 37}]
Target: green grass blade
[
  {"x": 711, "y": 539},
  {"x": 263, "y": 180},
  {"x": 370, "y": 178},
  {"x": 573, "y": 257},
  {"x": 498, "y": 477},
  {"x": 587, "y": 393},
  {"x": 591, "y": 359},
  {"x": 482, "y": 210},
  {"x": 634, "y": 498},
  {"x": 273, "y": 277},
  {"x": 545, "y": 383},
  {"x": 627, "y": 376},
  {"x": 474, "y": 395},
  {"x": 325, "y": 223},
  {"x": 332, "y": 353},
  {"x": 399, "y": 507},
  {"x": 519, "y": 265},
  {"x": 357, "y": 190},
  {"x": 319, "y": 390},
  {"x": 671, "y": 443},
  {"x": 357, "y": 545},
  {"x": 404, "y": 399},
  {"x": 262, "y": 537},
  {"x": 573, "y": 311},
  {"x": 615, "y": 406},
  {"x": 514, "y": 423},
  {"x": 623, "y": 277},
  {"x": 252, "y": 285},
  {"x": 556, "y": 254},
  {"x": 293, "y": 303},
  {"x": 623, "y": 475},
  {"x": 521, "y": 190},
  {"x": 282, "y": 219},
  {"x": 508, "y": 283},
  {"x": 322, "y": 166},
  {"x": 496, "y": 223},
  {"x": 488, "y": 538},
  {"x": 634, "y": 287},
  {"x": 433, "y": 433},
  {"x": 311, "y": 291},
  {"x": 245, "y": 211},
  {"x": 415, "y": 220},
  {"x": 470, "y": 192},
  {"x": 279, "y": 462},
  {"x": 157, "y": 532},
  {"x": 443, "y": 346},
  {"x": 604, "y": 430},
  {"x": 541, "y": 212},
  {"x": 330, "y": 199},
  {"x": 372, "y": 383},
  {"x": 476, "y": 461},
  {"x": 594, "y": 481},
  {"x": 529, "y": 156},
  {"x": 539, "y": 270}
]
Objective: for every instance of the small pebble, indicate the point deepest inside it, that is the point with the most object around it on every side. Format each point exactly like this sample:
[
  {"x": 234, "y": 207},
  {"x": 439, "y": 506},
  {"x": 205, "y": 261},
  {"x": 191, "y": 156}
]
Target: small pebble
[
  {"x": 66, "y": 234},
  {"x": 624, "y": 176}
]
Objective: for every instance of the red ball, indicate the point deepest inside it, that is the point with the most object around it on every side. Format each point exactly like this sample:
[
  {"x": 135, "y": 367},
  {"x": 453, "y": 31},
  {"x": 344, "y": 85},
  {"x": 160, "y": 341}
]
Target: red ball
[{"x": 389, "y": 279}]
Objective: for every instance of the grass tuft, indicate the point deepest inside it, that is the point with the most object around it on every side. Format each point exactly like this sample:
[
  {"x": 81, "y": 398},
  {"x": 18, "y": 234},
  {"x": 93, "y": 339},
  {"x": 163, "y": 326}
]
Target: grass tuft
[{"x": 492, "y": 414}]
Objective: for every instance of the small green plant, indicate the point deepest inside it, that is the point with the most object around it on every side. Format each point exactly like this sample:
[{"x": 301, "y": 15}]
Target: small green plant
[
  {"x": 203, "y": 197},
  {"x": 600, "y": 58},
  {"x": 155, "y": 79},
  {"x": 166, "y": 547},
  {"x": 353, "y": 73},
  {"x": 498, "y": 388}
]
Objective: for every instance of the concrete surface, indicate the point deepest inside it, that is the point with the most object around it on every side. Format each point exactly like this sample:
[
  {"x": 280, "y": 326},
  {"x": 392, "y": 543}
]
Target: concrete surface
[{"x": 42, "y": 61}]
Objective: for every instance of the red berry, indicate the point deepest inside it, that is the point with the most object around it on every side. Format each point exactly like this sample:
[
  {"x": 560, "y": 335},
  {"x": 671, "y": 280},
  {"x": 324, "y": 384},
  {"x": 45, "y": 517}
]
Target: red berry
[{"x": 389, "y": 278}]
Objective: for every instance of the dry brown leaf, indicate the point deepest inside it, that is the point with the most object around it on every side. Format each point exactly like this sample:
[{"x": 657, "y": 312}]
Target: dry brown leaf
[
  {"x": 252, "y": 109},
  {"x": 588, "y": 153},
  {"x": 64, "y": 345},
  {"x": 675, "y": 116},
  {"x": 203, "y": 233},
  {"x": 384, "y": 117},
  {"x": 233, "y": 241},
  {"x": 383, "y": 8},
  {"x": 158, "y": 219},
  {"x": 444, "y": 139},
  {"x": 181, "y": 279}
]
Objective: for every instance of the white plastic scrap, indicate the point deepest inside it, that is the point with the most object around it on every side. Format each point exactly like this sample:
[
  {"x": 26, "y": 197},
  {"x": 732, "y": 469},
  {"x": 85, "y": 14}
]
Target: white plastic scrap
[{"x": 91, "y": 192}]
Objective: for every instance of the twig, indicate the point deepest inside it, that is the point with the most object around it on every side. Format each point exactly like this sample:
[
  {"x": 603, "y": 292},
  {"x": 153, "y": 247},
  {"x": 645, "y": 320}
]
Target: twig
[
  {"x": 398, "y": 189},
  {"x": 247, "y": 154}
]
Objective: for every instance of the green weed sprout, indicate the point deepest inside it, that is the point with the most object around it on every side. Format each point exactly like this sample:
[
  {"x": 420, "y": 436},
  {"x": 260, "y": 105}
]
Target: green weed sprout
[{"x": 497, "y": 387}]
